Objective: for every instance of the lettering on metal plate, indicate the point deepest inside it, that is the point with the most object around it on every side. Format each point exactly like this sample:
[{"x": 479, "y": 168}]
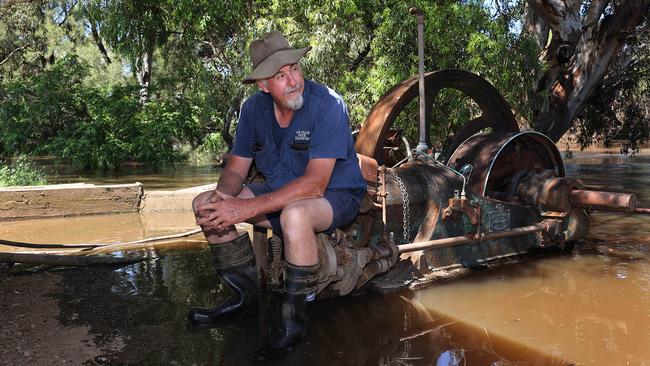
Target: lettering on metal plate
[{"x": 499, "y": 220}]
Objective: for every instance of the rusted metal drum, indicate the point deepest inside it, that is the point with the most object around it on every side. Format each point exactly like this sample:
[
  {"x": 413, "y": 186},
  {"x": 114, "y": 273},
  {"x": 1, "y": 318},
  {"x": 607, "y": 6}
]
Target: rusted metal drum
[
  {"x": 415, "y": 191},
  {"x": 498, "y": 159}
]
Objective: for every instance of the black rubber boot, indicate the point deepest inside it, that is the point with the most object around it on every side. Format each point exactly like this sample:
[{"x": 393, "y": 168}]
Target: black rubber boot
[
  {"x": 235, "y": 264},
  {"x": 297, "y": 305}
]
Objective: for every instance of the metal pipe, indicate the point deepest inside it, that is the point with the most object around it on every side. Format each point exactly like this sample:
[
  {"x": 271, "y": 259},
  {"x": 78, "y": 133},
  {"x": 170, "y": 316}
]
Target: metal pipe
[
  {"x": 642, "y": 210},
  {"x": 581, "y": 198},
  {"x": 423, "y": 145},
  {"x": 470, "y": 238}
]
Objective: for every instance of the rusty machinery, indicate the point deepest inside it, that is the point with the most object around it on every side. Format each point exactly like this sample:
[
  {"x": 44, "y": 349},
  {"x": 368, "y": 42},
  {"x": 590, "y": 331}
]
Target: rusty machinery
[{"x": 497, "y": 194}]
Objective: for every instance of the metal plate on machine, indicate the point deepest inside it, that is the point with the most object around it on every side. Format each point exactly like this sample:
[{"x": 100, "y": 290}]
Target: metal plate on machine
[{"x": 499, "y": 220}]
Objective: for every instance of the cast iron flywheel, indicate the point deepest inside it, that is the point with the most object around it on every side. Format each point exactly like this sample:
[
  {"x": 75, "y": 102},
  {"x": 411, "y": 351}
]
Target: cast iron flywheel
[{"x": 495, "y": 111}]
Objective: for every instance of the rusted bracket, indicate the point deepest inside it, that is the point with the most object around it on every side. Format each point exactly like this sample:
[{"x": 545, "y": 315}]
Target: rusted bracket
[
  {"x": 458, "y": 206},
  {"x": 552, "y": 232}
]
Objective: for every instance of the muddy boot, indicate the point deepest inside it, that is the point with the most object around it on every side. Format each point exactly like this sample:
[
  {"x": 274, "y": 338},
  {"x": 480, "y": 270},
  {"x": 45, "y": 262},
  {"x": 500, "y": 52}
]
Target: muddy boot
[
  {"x": 235, "y": 264},
  {"x": 297, "y": 304}
]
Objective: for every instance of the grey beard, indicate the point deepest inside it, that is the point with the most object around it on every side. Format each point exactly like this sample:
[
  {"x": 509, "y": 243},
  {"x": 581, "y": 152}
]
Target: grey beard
[{"x": 296, "y": 103}]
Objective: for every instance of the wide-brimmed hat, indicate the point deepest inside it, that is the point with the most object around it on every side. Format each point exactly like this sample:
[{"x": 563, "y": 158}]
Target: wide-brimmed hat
[{"x": 269, "y": 54}]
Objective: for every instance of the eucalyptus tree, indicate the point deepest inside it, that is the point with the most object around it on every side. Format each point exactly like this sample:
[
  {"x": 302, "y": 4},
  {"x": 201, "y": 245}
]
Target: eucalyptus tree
[{"x": 581, "y": 42}]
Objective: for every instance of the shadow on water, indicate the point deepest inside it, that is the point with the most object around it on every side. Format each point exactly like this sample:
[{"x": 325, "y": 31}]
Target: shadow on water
[{"x": 144, "y": 305}]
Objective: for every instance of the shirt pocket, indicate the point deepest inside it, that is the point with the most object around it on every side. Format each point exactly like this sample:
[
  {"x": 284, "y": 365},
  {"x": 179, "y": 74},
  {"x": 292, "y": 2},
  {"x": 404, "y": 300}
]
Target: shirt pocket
[{"x": 299, "y": 152}]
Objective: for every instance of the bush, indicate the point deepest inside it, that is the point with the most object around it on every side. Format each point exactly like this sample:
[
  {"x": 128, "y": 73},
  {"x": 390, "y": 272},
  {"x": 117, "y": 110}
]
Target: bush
[
  {"x": 54, "y": 113},
  {"x": 21, "y": 173},
  {"x": 212, "y": 149}
]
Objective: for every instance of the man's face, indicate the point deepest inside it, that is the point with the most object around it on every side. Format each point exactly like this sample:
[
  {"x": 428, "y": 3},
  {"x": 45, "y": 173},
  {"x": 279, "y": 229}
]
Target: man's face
[{"x": 285, "y": 87}]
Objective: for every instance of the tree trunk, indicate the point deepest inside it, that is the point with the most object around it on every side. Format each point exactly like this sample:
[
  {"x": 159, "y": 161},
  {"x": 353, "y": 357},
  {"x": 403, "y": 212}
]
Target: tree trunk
[
  {"x": 144, "y": 75},
  {"x": 96, "y": 37},
  {"x": 231, "y": 115},
  {"x": 578, "y": 55}
]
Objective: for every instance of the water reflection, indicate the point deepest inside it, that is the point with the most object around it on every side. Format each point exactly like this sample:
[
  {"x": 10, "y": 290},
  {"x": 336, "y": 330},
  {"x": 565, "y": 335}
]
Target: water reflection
[
  {"x": 182, "y": 175},
  {"x": 399, "y": 330},
  {"x": 145, "y": 305}
]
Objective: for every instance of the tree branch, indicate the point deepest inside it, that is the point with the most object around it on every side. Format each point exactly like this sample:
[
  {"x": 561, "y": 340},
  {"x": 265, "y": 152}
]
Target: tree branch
[
  {"x": 12, "y": 53},
  {"x": 570, "y": 86},
  {"x": 563, "y": 16},
  {"x": 98, "y": 41},
  {"x": 536, "y": 27}
]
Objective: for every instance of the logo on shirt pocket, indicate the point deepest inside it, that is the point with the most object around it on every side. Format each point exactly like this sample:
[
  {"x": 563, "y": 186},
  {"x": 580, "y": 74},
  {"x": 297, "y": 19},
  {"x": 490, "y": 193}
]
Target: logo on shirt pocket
[{"x": 302, "y": 136}]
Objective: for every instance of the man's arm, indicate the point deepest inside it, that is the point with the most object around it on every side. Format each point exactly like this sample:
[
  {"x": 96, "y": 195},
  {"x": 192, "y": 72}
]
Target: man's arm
[
  {"x": 234, "y": 174},
  {"x": 312, "y": 184}
]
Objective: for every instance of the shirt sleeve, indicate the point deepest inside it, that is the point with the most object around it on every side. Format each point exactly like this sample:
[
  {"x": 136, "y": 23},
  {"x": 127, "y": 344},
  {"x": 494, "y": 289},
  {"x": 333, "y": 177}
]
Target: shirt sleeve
[
  {"x": 245, "y": 134},
  {"x": 331, "y": 134}
]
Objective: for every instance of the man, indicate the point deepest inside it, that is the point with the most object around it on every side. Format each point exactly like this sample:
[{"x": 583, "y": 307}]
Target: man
[{"x": 297, "y": 133}]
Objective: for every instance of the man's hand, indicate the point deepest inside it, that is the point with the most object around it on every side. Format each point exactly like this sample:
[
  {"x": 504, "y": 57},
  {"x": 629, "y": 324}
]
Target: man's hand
[
  {"x": 222, "y": 210},
  {"x": 211, "y": 199}
]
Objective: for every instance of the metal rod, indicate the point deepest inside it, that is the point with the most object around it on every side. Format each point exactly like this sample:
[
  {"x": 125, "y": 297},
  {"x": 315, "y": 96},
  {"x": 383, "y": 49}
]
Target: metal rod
[
  {"x": 470, "y": 238},
  {"x": 642, "y": 210},
  {"x": 423, "y": 145}
]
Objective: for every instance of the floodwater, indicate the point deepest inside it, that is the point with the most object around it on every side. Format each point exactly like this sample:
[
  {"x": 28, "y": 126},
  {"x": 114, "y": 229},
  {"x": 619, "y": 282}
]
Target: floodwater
[
  {"x": 585, "y": 306},
  {"x": 179, "y": 176}
]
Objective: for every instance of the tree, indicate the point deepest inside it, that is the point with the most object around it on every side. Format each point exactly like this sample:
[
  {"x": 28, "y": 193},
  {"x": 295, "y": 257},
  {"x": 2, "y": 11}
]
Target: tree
[
  {"x": 581, "y": 41},
  {"x": 187, "y": 59}
]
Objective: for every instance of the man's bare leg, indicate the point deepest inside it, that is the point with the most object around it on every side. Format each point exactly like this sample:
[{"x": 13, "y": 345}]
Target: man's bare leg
[{"x": 300, "y": 221}]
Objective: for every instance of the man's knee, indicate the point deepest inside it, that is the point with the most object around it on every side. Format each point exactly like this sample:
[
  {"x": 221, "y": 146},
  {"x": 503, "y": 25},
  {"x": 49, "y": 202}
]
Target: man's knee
[
  {"x": 311, "y": 214},
  {"x": 295, "y": 214},
  {"x": 199, "y": 200}
]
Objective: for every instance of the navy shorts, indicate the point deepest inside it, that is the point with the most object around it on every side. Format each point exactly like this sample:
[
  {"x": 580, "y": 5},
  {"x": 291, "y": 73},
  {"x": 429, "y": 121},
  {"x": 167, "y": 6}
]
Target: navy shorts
[{"x": 345, "y": 206}]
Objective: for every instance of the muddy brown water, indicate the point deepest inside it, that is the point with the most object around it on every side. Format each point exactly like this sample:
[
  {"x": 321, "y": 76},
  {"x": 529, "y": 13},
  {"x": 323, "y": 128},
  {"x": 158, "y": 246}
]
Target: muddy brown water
[
  {"x": 182, "y": 175},
  {"x": 585, "y": 306}
]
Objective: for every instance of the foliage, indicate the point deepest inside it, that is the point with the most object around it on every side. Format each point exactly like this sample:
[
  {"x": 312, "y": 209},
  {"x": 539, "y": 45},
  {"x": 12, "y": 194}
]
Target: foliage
[
  {"x": 362, "y": 48},
  {"x": 618, "y": 112},
  {"x": 21, "y": 173},
  {"x": 100, "y": 82},
  {"x": 53, "y": 113},
  {"x": 213, "y": 148},
  {"x": 21, "y": 34}
]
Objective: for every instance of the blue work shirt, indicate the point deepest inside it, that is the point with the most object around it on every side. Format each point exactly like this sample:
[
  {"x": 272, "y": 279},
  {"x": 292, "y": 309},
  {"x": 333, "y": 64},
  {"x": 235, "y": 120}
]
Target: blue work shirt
[{"x": 320, "y": 129}]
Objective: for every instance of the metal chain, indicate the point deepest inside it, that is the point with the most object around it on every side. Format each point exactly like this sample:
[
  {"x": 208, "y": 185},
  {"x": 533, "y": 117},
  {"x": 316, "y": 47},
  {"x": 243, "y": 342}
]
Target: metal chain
[
  {"x": 407, "y": 326},
  {"x": 406, "y": 219}
]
